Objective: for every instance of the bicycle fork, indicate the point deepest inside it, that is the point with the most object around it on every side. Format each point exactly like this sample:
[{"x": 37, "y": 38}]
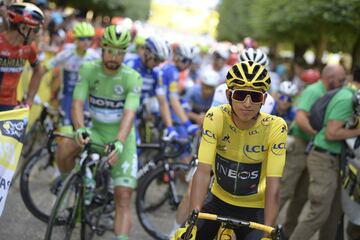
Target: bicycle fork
[{"x": 173, "y": 193}]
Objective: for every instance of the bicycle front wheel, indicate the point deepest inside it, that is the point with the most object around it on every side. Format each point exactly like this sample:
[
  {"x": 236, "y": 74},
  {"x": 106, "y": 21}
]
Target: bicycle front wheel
[
  {"x": 39, "y": 183},
  {"x": 158, "y": 197},
  {"x": 65, "y": 219}
]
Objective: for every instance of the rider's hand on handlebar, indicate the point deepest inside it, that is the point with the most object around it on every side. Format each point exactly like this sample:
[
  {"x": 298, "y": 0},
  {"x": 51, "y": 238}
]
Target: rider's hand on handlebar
[
  {"x": 82, "y": 136},
  {"x": 114, "y": 155},
  {"x": 170, "y": 133},
  {"x": 191, "y": 128}
]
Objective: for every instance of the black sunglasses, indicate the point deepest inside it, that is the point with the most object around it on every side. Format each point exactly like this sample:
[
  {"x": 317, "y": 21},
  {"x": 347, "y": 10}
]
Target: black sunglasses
[{"x": 240, "y": 95}]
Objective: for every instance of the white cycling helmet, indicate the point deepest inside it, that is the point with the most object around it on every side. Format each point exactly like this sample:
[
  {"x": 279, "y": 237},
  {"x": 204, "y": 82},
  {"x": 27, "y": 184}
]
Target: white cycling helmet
[
  {"x": 255, "y": 55},
  {"x": 210, "y": 78},
  {"x": 159, "y": 47},
  {"x": 186, "y": 52},
  {"x": 222, "y": 53},
  {"x": 288, "y": 88}
]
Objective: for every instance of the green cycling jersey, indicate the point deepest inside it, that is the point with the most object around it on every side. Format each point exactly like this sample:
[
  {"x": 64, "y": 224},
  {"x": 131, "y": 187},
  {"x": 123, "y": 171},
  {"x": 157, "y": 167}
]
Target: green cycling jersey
[{"x": 108, "y": 96}]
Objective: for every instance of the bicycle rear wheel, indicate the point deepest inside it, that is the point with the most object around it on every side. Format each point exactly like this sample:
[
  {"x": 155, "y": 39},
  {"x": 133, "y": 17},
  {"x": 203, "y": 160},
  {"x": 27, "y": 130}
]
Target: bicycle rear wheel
[
  {"x": 39, "y": 183},
  {"x": 158, "y": 197},
  {"x": 65, "y": 218}
]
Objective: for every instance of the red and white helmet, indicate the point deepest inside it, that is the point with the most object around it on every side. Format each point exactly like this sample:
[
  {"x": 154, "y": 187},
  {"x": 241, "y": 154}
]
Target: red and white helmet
[{"x": 26, "y": 13}]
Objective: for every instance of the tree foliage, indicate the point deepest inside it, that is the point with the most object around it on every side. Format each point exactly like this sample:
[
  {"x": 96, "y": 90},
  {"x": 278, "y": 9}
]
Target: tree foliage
[
  {"x": 321, "y": 24},
  {"x": 138, "y": 9}
]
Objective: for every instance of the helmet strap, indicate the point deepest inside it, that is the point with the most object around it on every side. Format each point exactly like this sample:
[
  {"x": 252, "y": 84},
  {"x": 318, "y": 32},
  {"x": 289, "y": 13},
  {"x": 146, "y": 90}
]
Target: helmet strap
[{"x": 25, "y": 36}]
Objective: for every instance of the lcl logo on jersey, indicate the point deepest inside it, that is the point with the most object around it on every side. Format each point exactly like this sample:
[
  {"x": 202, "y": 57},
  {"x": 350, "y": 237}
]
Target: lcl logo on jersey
[
  {"x": 278, "y": 148},
  {"x": 266, "y": 121},
  {"x": 255, "y": 152},
  {"x": 208, "y": 136}
]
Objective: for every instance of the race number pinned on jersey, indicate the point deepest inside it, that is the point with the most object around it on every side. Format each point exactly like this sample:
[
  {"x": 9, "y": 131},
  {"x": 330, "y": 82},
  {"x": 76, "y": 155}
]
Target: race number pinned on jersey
[{"x": 12, "y": 130}]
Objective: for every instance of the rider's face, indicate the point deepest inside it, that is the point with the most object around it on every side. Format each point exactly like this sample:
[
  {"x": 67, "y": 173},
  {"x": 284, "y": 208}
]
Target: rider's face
[
  {"x": 113, "y": 57},
  {"x": 246, "y": 102},
  {"x": 83, "y": 43},
  {"x": 31, "y": 32},
  {"x": 150, "y": 60}
]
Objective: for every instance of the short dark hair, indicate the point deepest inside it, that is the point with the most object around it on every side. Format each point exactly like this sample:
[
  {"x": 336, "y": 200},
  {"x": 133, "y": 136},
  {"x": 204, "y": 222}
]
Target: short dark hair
[{"x": 356, "y": 73}]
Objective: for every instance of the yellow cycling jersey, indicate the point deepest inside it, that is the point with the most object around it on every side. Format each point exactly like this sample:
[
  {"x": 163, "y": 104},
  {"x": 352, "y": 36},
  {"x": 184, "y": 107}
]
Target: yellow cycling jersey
[{"x": 242, "y": 159}]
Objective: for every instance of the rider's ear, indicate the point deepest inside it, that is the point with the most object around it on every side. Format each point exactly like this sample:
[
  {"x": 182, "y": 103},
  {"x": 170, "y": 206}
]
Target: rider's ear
[
  {"x": 228, "y": 94},
  {"x": 265, "y": 96}
]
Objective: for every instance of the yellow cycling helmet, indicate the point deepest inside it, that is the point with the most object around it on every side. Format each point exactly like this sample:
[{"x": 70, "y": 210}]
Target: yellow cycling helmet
[{"x": 248, "y": 74}]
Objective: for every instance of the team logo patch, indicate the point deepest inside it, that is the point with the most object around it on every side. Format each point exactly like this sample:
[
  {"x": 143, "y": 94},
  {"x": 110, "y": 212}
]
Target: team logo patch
[
  {"x": 14, "y": 128},
  {"x": 137, "y": 89},
  {"x": 255, "y": 152},
  {"x": 208, "y": 136},
  {"x": 267, "y": 120},
  {"x": 118, "y": 89},
  {"x": 278, "y": 149}
]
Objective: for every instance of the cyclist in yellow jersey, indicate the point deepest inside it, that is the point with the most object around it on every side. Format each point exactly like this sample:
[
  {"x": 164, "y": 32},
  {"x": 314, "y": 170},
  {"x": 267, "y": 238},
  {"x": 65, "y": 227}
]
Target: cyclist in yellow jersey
[{"x": 245, "y": 149}]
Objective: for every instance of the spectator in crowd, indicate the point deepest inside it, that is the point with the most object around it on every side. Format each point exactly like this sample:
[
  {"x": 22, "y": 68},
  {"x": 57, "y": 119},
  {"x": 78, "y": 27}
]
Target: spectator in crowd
[
  {"x": 295, "y": 178},
  {"x": 323, "y": 163}
]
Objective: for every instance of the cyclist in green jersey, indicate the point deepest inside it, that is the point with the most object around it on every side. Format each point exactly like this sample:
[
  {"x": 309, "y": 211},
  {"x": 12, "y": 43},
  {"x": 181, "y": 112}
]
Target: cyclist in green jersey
[{"x": 113, "y": 91}]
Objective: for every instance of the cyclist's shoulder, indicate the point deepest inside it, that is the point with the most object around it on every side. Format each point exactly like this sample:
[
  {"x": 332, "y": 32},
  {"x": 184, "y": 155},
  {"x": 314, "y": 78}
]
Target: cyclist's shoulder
[
  {"x": 271, "y": 122},
  {"x": 89, "y": 67},
  {"x": 128, "y": 71},
  {"x": 217, "y": 113},
  {"x": 132, "y": 59},
  {"x": 92, "y": 53}
]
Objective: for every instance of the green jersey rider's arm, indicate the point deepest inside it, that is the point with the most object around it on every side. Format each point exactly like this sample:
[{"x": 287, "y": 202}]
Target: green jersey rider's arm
[{"x": 132, "y": 103}]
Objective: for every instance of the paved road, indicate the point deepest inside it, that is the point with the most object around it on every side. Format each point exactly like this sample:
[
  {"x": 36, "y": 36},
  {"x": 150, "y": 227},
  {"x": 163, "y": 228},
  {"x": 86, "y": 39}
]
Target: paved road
[{"x": 17, "y": 223}]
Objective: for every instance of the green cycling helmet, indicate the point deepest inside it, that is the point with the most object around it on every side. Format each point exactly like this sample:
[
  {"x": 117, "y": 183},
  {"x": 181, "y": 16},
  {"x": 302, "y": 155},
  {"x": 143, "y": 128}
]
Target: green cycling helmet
[
  {"x": 83, "y": 29},
  {"x": 116, "y": 36}
]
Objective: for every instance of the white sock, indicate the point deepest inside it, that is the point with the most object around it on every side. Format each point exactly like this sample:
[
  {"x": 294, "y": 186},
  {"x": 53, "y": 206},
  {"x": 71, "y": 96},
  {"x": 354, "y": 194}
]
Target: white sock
[{"x": 175, "y": 227}]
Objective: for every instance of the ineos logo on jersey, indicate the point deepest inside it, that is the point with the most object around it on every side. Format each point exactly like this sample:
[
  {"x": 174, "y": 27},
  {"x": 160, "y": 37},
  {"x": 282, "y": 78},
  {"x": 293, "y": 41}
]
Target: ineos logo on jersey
[
  {"x": 106, "y": 103},
  {"x": 237, "y": 178}
]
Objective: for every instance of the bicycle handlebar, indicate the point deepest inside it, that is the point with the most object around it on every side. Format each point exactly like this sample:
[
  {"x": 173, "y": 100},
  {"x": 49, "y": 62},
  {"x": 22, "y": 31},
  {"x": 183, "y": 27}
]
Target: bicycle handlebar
[
  {"x": 237, "y": 222},
  {"x": 232, "y": 222}
]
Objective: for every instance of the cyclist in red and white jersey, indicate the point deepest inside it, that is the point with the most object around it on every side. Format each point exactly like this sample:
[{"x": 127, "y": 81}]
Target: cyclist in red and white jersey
[{"x": 17, "y": 47}]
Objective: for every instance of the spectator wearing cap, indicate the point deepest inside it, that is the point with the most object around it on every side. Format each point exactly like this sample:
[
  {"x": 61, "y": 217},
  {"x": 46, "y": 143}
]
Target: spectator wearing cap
[
  {"x": 219, "y": 60},
  {"x": 201, "y": 95}
]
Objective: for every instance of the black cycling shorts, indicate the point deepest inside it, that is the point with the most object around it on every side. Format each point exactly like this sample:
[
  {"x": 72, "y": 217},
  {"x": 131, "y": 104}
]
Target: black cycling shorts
[{"x": 207, "y": 230}]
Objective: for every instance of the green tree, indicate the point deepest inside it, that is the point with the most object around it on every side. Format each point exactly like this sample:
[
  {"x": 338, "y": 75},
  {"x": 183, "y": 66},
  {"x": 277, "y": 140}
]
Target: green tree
[
  {"x": 321, "y": 24},
  {"x": 137, "y": 10}
]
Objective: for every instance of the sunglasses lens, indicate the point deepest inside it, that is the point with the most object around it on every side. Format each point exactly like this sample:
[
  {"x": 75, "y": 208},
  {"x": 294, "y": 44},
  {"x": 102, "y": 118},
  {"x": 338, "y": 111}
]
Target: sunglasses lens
[
  {"x": 240, "y": 95},
  {"x": 85, "y": 38},
  {"x": 115, "y": 51}
]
